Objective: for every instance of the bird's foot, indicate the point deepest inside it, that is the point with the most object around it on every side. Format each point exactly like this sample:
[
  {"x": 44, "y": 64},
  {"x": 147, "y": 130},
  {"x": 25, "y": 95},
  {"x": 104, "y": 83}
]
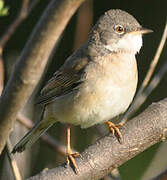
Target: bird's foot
[
  {"x": 114, "y": 129},
  {"x": 71, "y": 159}
]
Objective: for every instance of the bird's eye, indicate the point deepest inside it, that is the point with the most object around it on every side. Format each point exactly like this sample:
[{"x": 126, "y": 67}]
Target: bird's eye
[{"x": 119, "y": 29}]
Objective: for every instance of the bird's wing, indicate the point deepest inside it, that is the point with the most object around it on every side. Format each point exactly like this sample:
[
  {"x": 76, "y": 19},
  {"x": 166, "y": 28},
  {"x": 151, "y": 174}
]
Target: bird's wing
[{"x": 67, "y": 78}]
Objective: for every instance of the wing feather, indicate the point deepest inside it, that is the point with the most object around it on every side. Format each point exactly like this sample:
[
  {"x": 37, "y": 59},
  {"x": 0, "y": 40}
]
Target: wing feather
[{"x": 67, "y": 78}]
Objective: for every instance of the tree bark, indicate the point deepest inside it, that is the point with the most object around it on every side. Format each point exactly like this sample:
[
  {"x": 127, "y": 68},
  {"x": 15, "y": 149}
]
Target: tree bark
[{"x": 32, "y": 61}]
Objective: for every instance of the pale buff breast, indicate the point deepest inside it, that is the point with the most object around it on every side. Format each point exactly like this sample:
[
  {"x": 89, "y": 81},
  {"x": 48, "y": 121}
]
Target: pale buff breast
[{"x": 108, "y": 90}]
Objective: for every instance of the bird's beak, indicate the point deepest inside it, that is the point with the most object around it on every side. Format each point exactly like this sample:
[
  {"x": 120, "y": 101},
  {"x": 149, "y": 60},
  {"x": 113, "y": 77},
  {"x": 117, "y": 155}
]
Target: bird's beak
[{"x": 141, "y": 30}]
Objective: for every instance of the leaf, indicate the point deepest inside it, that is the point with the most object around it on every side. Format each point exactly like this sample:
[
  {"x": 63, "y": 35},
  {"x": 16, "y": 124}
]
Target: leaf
[{"x": 4, "y": 10}]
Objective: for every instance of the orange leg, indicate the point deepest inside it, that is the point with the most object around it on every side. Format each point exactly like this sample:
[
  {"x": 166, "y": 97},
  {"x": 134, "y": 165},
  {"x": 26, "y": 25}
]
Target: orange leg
[
  {"x": 70, "y": 154},
  {"x": 114, "y": 129}
]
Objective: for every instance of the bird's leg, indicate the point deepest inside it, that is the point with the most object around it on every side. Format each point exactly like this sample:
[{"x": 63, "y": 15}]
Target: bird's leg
[
  {"x": 70, "y": 154},
  {"x": 114, "y": 129}
]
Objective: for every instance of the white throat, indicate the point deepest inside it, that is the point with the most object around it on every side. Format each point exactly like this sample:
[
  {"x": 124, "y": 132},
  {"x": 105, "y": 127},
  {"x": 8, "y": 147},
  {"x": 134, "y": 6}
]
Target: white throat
[{"x": 130, "y": 42}]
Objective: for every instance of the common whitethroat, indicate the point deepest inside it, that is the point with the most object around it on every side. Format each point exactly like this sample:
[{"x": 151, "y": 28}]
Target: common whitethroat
[{"x": 96, "y": 83}]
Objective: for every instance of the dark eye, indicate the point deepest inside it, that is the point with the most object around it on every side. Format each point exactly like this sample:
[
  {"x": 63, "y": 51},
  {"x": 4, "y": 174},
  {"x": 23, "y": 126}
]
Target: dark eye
[{"x": 119, "y": 29}]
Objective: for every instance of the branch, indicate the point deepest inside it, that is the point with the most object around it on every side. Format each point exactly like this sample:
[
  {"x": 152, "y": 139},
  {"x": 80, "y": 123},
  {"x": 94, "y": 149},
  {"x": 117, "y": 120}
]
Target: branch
[
  {"x": 161, "y": 176},
  {"x": 11, "y": 29},
  {"x": 1, "y": 72},
  {"x": 32, "y": 61},
  {"x": 24, "y": 11},
  {"x": 152, "y": 85},
  {"x": 13, "y": 163},
  {"x": 99, "y": 159},
  {"x": 83, "y": 23}
]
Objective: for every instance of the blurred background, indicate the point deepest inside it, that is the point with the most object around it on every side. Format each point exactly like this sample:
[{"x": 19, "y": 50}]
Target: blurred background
[{"x": 151, "y": 14}]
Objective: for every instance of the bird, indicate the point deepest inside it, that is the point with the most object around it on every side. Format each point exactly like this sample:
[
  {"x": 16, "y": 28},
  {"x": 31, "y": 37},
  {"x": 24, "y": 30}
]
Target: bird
[{"x": 95, "y": 84}]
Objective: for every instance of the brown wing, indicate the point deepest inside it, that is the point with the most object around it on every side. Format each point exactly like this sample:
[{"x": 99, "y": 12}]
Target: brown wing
[{"x": 64, "y": 80}]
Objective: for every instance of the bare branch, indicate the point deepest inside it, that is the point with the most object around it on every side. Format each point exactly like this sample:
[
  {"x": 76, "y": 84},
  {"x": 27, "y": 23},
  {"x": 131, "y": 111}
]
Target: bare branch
[
  {"x": 8, "y": 33},
  {"x": 32, "y": 61},
  {"x": 83, "y": 24},
  {"x": 155, "y": 60},
  {"x": 161, "y": 176},
  {"x": 32, "y": 5},
  {"x": 21, "y": 16},
  {"x": 152, "y": 85},
  {"x": 13, "y": 163},
  {"x": 1, "y": 72},
  {"x": 106, "y": 154}
]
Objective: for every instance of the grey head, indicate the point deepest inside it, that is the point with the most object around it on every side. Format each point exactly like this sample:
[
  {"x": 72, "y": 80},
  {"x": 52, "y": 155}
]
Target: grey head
[{"x": 116, "y": 31}]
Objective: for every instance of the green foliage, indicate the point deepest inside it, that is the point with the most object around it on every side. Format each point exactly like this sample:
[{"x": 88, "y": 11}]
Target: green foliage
[
  {"x": 135, "y": 168},
  {"x": 3, "y": 9}
]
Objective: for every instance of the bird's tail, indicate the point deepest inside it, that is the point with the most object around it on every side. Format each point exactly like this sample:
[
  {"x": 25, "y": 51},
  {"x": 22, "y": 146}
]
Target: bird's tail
[{"x": 32, "y": 136}]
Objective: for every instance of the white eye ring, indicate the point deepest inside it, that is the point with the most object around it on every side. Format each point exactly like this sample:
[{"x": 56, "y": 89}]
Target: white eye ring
[{"x": 119, "y": 29}]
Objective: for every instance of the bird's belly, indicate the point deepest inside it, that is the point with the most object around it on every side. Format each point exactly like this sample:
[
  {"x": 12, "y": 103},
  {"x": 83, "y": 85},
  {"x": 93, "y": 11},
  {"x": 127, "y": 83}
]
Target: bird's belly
[
  {"x": 111, "y": 103},
  {"x": 91, "y": 107}
]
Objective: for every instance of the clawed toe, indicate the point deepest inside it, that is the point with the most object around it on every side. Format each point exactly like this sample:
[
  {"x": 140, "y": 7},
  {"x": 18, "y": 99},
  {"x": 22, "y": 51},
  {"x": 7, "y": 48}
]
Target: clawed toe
[
  {"x": 114, "y": 129},
  {"x": 71, "y": 159}
]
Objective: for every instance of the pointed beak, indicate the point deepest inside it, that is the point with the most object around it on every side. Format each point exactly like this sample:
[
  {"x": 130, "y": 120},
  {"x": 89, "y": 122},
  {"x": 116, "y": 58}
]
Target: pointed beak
[{"x": 141, "y": 30}]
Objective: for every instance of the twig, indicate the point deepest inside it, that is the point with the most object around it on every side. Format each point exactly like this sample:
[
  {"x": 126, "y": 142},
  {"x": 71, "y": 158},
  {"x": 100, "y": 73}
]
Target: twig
[
  {"x": 45, "y": 138},
  {"x": 155, "y": 60},
  {"x": 161, "y": 176},
  {"x": 135, "y": 105},
  {"x": 32, "y": 5},
  {"x": 32, "y": 61},
  {"x": 24, "y": 11},
  {"x": 1, "y": 73},
  {"x": 84, "y": 23},
  {"x": 107, "y": 153},
  {"x": 11, "y": 29},
  {"x": 13, "y": 163},
  {"x": 152, "y": 85}
]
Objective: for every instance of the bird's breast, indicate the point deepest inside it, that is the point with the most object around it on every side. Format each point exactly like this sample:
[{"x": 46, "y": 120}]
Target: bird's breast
[{"x": 108, "y": 90}]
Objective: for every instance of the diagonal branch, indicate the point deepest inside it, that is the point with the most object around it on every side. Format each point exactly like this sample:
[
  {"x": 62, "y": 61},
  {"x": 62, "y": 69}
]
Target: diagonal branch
[
  {"x": 152, "y": 85},
  {"x": 14, "y": 166},
  {"x": 106, "y": 154},
  {"x": 15, "y": 24},
  {"x": 161, "y": 176},
  {"x": 32, "y": 61},
  {"x": 24, "y": 12}
]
